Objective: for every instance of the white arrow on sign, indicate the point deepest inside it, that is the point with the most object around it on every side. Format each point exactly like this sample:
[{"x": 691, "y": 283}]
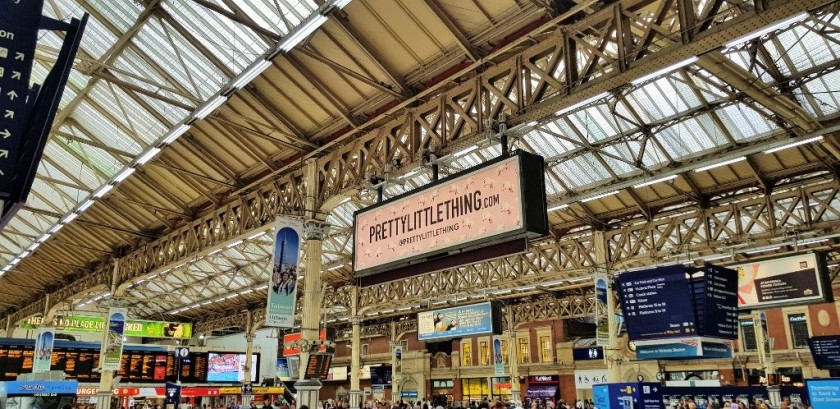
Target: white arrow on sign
[
  {"x": 16, "y": 75},
  {"x": 4, "y": 153},
  {"x": 12, "y": 95},
  {"x": 19, "y": 56},
  {"x": 6, "y": 133},
  {"x": 9, "y": 114}
]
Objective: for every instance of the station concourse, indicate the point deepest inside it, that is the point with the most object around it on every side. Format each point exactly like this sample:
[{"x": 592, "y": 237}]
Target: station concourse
[{"x": 317, "y": 200}]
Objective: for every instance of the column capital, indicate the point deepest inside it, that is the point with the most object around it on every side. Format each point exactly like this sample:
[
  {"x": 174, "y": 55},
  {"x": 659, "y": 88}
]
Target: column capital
[
  {"x": 356, "y": 320},
  {"x": 315, "y": 229}
]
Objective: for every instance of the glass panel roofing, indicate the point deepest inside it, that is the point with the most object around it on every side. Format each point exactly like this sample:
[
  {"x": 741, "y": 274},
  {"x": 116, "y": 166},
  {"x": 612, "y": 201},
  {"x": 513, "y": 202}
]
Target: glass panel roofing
[{"x": 178, "y": 48}]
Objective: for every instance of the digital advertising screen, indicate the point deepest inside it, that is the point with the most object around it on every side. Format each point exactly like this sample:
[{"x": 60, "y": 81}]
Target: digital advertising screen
[
  {"x": 826, "y": 351},
  {"x": 229, "y": 367},
  {"x": 457, "y": 322},
  {"x": 824, "y": 393},
  {"x": 794, "y": 280}
]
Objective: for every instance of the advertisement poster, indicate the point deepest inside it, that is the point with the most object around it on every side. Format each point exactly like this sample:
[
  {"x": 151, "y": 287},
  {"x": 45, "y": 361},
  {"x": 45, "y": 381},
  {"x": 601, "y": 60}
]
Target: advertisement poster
[
  {"x": 43, "y": 350},
  {"x": 398, "y": 351},
  {"x": 133, "y": 328},
  {"x": 222, "y": 367},
  {"x": 282, "y": 372},
  {"x": 602, "y": 328},
  {"x": 824, "y": 393},
  {"x": 498, "y": 358},
  {"x": 467, "y": 209},
  {"x": 456, "y": 322},
  {"x": 112, "y": 344},
  {"x": 282, "y": 290},
  {"x": 791, "y": 280}
]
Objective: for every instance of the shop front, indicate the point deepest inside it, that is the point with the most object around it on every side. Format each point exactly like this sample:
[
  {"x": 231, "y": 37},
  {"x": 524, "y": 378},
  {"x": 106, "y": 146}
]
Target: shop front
[
  {"x": 442, "y": 391},
  {"x": 474, "y": 389},
  {"x": 501, "y": 389},
  {"x": 543, "y": 388}
]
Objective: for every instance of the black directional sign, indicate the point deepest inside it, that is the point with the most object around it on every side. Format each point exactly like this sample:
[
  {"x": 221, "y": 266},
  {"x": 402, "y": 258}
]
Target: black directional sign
[
  {"x": 19, "y": 21},
  {"x": 657, "y": 303},
  {"x": 826, "y": 351}
]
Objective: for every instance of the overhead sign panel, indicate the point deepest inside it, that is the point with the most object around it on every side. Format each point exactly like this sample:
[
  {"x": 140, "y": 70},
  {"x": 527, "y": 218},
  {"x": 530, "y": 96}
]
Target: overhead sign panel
[
  {"x": 795, "y": 280},
  {"x": 826, "y": 351},
  {"x": 19, "y": 22},
  {"x": 457, "y": 322},
  {"x": 657, "y": 303},
  {"x": 133, "y": 328},
  {"x": 477, "y": 208},
  {"x": 824, "y": 393}
]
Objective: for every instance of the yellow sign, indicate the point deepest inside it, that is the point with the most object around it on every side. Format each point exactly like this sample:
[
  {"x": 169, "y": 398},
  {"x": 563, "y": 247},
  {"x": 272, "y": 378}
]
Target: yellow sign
[
  {"x": 258, "y": 390},
  {"x": 230, "y": 390}
]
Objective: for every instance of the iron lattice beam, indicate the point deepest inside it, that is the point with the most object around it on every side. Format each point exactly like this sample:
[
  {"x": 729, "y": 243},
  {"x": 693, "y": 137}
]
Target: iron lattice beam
[{"x": 455, "y": 118}]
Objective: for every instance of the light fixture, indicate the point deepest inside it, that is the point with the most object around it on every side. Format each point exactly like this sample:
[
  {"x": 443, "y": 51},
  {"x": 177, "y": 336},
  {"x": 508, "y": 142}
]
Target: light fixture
[
  {"x": 465, "y": 151},
  {"x": 209, "y": 107},
  {"x": 658, "y": 73},
  {"x": 558, "y": 207},
  {"x": 151, "y": 153},
  {"x": 250, "y": 73},
  {"x": 124, "y": 174},
  {"x": 796, "y": 143},
  {"x": 762, "y": 250},
  {"x": 769, "y": 29},
  {"x": 85, "y": 205},
  {"x": 341, "y": 3},
  {"x": 201, "y": 336},
  {"x": 302, "y": 32},
  {"x": 56, "y": 228},
  {"x": 582, "y": 103},
  {"x": 335, "y": 267},
  {"x": 255, "y": 236},
  {"x": 713, "y": 257},
  {"x": 175, "y": 133},
  {"x": 70, "y": 217},
  {"x": 104, "y": 191},
  {"x": 719, "y": 164},
  {"x": 601, "y": 196},
  {"x": 34, "y": 246},
  {"x": 814, "y": 241},
  {"x": 655, "y": 181},
  {"x": 44, "y": 237},
  {"x": 234, "y": 244}
]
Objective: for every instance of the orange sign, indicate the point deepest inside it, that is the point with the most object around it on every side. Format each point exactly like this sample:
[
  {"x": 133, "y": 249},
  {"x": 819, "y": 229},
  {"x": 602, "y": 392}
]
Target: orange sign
[{"x": 289, "y": 339}]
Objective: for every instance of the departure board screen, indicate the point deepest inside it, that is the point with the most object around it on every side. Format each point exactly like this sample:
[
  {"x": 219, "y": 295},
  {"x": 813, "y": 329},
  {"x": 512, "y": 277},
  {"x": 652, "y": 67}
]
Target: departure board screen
[
  {"x": 148, "y": 367},
  {"x": 85, "y": 364},
  {"x": 28, "y": 359},
  {"x": 135, "y": 366},
  {"x": 14, "y": 361},
  {"x": 159, "y": 369},
  {"x": 71, "y": 358},
  {"x": 199, "y": 373},
  {"x": 124, "y": 368}
]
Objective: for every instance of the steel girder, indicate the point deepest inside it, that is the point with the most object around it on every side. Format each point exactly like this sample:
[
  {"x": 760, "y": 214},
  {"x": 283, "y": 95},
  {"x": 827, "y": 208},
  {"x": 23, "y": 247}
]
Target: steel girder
[{"x": 560, "y": 68}]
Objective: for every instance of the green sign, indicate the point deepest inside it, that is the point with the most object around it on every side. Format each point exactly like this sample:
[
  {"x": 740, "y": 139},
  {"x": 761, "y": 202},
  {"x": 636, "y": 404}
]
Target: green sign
[{"x": 133, "y": 328}]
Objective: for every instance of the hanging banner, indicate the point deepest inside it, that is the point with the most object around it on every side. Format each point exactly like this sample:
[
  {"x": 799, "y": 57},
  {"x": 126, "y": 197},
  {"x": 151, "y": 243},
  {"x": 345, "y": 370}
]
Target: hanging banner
[
  {"x": 112, "y": 344},
  {"x": 43, "y": 350},
  {"x": 398, "y": 351},
  {"x": 133, "y": 328},
  {"x": 602, "y": 329},
  {"x": 282, "y": 290},
  {"x": 498, "y": 357}
]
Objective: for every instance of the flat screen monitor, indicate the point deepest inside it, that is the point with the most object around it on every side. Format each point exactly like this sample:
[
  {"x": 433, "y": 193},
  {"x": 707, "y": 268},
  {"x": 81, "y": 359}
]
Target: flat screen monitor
[{"x": 230, "y": 367}]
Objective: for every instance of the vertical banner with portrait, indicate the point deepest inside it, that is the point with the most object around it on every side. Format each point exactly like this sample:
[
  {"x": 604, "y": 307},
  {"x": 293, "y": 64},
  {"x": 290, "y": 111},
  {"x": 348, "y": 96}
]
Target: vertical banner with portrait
[
  {"x": 112, "y": 344},
  {"x": 602, "y": 327},
  {"x": 398, "y": 355},
  {"x": 282, "y": 286},
  {"x": 498, "y": 357},
  {"x": 43, "y": 350}
]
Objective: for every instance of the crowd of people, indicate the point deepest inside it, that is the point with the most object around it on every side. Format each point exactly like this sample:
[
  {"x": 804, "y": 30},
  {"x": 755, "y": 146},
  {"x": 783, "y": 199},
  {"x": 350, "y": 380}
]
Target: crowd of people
[{"x": 757, "y": 403}]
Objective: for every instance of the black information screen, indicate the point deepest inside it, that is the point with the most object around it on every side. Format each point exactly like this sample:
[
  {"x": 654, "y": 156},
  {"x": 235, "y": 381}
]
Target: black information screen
[
  {"x": 826, "y": 351},
  {"x": 318, "y": 366},
  {"x": 657, "y": 303}
]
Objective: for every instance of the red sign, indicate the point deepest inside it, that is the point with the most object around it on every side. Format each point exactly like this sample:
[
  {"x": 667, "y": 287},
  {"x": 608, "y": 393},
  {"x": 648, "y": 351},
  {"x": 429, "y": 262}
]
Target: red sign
[
  {"x": 289, "y": 339},
  {"x": 191, "y": 392},
  {"x": 127, "y": 391}
]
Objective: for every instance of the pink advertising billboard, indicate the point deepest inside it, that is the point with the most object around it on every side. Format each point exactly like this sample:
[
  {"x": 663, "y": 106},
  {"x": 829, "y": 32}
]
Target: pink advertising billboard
[{"x": 480, "y": 207}]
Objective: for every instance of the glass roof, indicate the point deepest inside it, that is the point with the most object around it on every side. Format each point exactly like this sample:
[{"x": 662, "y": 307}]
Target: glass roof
[{"x": 176, "y": 48}]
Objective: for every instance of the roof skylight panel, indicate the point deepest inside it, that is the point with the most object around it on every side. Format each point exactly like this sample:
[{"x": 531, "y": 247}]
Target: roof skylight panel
[
  {"x": 70, "y": 164},
  {"x": 121, "y": 14},
  {"x": 821, "y": 99},
  {"x": 746, "y": 123}
]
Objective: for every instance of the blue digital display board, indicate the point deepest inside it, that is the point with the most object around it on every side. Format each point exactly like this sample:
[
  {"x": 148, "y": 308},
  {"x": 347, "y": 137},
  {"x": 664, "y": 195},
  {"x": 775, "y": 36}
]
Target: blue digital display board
[
  {"x": 826, "y": 351},
  {"x": 19, "y": 24},
  {"x": 38, "y": 388},
  {"x": 657, "y": 303},
  {"x": 457, "y": 322},
  {"x": 824, "y": 393},
  {"x": 627, "y": 396},
  {"x": 716, "y": 301}
]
